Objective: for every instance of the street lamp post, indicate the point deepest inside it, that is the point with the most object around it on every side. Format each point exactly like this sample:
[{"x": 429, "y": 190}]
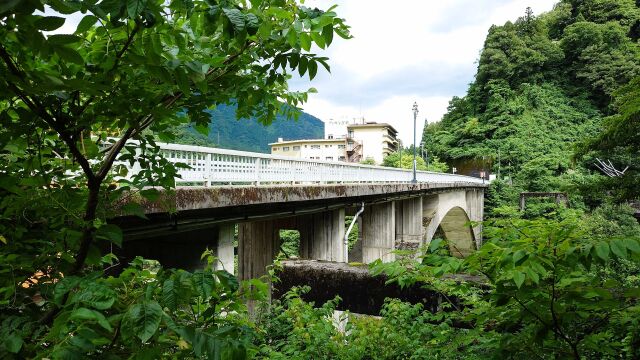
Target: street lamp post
[{"x": 415, "y": 116}]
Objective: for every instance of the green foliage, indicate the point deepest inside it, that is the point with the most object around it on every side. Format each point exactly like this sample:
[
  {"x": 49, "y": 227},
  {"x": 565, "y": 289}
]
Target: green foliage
[
  {"x": 404, "y": 159},
  {"x": 549, "y": 286},
  {"x": 296, "y": 329},
  {"x": 290, "y": 243},
  {"x": 544, "y": 84},
  {"x": 155, "y": 313},
  {"x": 368, "y": 161},
  {"x": 619, "y": 143}
]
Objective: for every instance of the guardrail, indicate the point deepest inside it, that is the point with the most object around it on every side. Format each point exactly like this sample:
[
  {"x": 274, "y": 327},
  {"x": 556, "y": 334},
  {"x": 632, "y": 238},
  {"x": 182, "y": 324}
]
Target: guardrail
[{"x": 211, "y": 166}]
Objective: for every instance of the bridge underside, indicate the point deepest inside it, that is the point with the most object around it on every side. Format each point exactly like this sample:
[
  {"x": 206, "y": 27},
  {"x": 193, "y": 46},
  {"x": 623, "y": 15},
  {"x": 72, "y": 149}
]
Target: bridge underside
[{"x": 395, "y": 216}]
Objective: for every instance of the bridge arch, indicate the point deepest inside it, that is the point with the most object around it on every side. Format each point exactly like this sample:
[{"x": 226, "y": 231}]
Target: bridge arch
[
  {"x": 458, "y": 232},
  {"x": 450, "y": 214}
]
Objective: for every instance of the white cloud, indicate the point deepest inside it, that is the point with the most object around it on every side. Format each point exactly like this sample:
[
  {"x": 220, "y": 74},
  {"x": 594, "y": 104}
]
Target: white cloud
[{"x": 406, "y": 51}]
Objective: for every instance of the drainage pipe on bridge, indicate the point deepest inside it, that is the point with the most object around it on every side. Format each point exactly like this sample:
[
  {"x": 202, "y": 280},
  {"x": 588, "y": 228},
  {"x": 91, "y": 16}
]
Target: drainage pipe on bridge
[{"x": 346, "y": 234}]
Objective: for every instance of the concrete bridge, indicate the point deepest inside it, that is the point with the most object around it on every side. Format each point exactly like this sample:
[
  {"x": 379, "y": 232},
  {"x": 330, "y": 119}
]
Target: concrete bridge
[{"x": 261, "y": 194}]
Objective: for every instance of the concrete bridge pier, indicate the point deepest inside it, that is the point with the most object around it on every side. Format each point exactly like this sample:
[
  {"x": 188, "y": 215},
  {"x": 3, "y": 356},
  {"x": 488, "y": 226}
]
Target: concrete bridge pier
[
  {"x": 225, "y": 249},
  {"x": 409, "y": 230},
  {"x": 378, "y": 232},
  {"x": 322, "y": 236},
  {"x": 258, "y": 245}
]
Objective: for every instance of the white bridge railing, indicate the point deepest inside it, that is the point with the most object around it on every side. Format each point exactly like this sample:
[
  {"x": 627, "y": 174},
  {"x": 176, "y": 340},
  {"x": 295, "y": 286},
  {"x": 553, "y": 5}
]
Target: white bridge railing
[{"x": 211, "y": 166}]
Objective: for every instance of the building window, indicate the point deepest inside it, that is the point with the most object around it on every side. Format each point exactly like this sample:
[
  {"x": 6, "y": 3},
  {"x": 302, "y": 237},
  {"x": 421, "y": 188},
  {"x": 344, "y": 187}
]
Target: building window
[
  {"x": 286, "y": 148},
  {"x": 350, "y": 133},
  {"x": 330, "y": 137},
  {"x": 315, "y": 146},
  {"x": 329, "y": 158},
  {"x": 341, "y": 146},
  {"x": 342, "y": 158},
  {"x": 328, "y": 146},
  {"x": 296, "y": 148},
  {"x": 306, "y": 146},
  {"x": 275, "y": 149}
]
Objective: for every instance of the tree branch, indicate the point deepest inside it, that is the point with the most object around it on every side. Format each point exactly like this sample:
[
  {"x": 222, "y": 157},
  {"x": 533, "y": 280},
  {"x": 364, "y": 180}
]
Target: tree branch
[
  {"x": 38, "y": 109},
  {"x": 118, "y": 57}
]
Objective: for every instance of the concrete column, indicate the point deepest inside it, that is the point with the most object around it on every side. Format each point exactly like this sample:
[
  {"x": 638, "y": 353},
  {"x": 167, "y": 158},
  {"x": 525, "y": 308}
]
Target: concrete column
[
  {"x": 475, "y": 211},
  {"x": 322, "y": 236},
  {"x": 378, "y": 232},
  {"x": 258, "y": 245},
  {"x": 430, "y": 217},
  {"x": 224, "y": 250},
  {"x": 408, "y": 223}
]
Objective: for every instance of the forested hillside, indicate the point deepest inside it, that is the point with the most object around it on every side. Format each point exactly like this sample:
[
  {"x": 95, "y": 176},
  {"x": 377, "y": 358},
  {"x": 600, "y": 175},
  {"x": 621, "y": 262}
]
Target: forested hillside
[
  {"x": 227, "y": 132},
  {"x": 543, "y": 86}
]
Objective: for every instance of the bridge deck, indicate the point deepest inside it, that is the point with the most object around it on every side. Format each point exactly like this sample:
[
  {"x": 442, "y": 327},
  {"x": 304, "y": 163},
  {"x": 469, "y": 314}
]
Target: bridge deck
[{"x": 196, "y": 207}]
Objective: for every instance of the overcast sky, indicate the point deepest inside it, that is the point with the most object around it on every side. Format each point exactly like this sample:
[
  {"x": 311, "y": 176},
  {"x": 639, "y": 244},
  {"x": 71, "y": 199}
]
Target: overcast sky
[
  {"x": 402, "y": 51},
  {"x": 405, "y": 51}
]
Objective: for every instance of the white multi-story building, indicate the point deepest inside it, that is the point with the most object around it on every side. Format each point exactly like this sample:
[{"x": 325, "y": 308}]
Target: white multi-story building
[
  {"x": 344, "y": 142},
  {"x": 376, "y": 140},
  {"x": 312, "y": 149}
]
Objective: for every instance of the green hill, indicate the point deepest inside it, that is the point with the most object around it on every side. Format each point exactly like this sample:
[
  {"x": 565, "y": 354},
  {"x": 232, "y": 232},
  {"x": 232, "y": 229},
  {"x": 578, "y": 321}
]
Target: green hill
[
  {"x": 544, "y": 84},
  {"x": 248, "y": 134}
]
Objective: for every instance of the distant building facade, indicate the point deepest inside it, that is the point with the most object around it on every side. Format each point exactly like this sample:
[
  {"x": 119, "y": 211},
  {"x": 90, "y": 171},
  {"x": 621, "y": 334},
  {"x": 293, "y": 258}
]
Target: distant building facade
[
  {"x": 312, "y": 149},
  {"x": 375, "y": 140},
  {"x": 344, "y": 141}
]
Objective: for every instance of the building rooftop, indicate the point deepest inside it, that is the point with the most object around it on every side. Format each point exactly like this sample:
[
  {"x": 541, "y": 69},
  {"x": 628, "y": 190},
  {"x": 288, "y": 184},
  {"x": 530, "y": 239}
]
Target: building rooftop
[
  {"x": 373, "y": 125},
  {"x": 307, "y": 141}
]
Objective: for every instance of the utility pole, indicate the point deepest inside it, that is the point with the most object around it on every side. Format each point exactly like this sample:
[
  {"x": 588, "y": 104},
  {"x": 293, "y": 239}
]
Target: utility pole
[{"x": 415, "y": 116}]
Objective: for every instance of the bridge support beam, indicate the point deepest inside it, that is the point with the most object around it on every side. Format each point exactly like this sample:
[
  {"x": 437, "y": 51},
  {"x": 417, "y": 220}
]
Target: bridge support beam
[
  {"x": 225, "y": 248},
  {"x": 258, "y": 245},
  {"x": 409, "y": 230},
  {"x": 378, "y": 232},
  {"x": 475, "y": 209},
  {"x": 183, "y": 249},
  {"x": 322, "y": 236}
]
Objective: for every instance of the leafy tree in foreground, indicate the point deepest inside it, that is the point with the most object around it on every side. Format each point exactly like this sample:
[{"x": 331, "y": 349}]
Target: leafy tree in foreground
[
  {"x": 549, "y": 292},
  {"x": 69, "y": 104}
]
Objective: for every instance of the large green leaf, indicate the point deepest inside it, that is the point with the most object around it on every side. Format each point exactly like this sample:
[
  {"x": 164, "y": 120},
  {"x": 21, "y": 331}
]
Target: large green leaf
[
  {"x": 236, "y": 17},
  {"x": 88, "y": 314},
  {"x": 253, "y": 23},
  {"x": 110, "y": 232},
  {"x": 135, "y": 7},
  {"x": 313, "y": 69},
  {"x": 49, "y": 23},
  {"x": 619, "y": 249},
  {"x": 305, "y": 41},
  {"x": 602, "y": 250},
  {"x": 632, "y": 245},
  {"x": 143, "y": 319},
  {"x": 204, "y": 282},
  {"x": 86, "y": 23},
  {"x": 62, "y": 39},
  {"x": 13, "y": 343},
  {"x": 96, "y": 295},
  {"x": 69, "y": 54},
  {"x": 518, "y": 278},
  {"x": 170, "y": 294},
  {"x": 229, "y": 281}
]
